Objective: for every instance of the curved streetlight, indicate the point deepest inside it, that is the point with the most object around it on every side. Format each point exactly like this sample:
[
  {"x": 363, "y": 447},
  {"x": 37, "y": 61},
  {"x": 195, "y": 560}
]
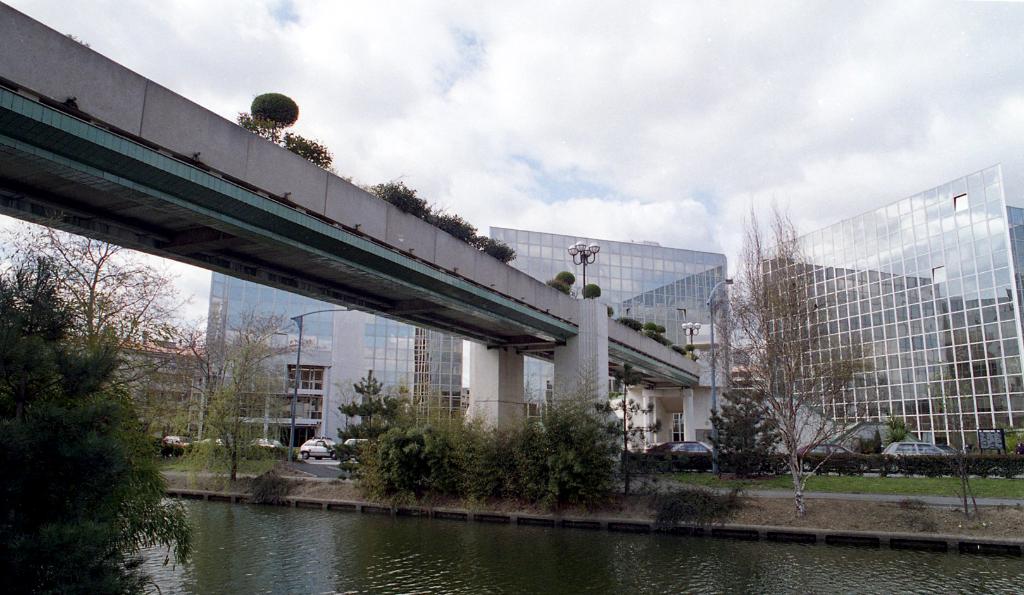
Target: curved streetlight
[
  {"x": 582, "y": 254},
  {"x": 714, "y": 388},
  {"x": 298, "y": 373}
]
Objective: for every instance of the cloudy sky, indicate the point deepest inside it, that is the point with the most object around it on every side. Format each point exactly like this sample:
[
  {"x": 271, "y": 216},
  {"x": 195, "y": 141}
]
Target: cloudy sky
[{"x": 629, "y": 121}]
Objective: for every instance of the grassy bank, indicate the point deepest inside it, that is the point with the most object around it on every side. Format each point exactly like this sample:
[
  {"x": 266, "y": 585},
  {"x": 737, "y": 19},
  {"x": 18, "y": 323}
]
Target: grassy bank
[
  {"x": 836, "y": 515},
  {"x": 245, "y": 466},
  {"x": 901, "y": 486}
]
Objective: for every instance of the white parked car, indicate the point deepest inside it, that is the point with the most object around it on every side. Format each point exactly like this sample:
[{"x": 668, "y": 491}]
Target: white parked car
[
  {"x": 267, "y": 443},
  {"x": 914, "y": 449},
  {"x": 318, "y": 448}
]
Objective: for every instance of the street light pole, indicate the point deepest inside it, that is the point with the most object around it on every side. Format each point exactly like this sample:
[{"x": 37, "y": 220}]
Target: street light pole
[
  {"x": 583, "y": 254},
  {"x": 298, "y": 374},
  {"x": 714, "y": 388},
  {"x": 691, "y": 329}
]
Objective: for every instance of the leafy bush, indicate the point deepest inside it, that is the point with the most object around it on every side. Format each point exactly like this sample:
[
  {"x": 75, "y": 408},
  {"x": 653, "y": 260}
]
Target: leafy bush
[
  {"x": 897, "y": 429},
  {"x": 645, "y": 463},
  {"x": 632, "y": 323},
  {"x": 563, "y": 282},
  {"x": 695, "y": 506},
  {"x": 171, "y": 450},
  {"x": 496, "y": 248},
  {"x": 689, "y": 351},
  {"x": 270, "y": 488},
  {"x": 653, "y": 327},
  {"x": 455, "y": 226},
  {"x": 275, "y": 107},
  {"x": 591, "y": 291},
  {"x": 567, "y": 457},
  {"x": 315, "y": 152},
  {"x": 988, "y": 465},
  {"x": 556, "y": 284},
  {"x": 402, "y": 197},
  {"x": 660, "y": 338}
]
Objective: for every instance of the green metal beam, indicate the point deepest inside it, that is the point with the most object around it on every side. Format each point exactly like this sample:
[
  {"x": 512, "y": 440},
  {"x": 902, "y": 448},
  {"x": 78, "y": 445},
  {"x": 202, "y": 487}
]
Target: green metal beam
[{"x": 29, "y": 126}]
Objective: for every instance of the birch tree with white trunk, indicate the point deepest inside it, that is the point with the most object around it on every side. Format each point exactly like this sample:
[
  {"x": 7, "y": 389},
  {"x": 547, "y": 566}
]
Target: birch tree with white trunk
[{"x": 794, "y": 371}]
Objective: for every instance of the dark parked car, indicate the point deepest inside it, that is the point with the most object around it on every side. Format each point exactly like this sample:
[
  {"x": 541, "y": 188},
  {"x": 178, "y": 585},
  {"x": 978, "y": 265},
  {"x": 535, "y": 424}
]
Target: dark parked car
[{"x": 680, "y": 448}]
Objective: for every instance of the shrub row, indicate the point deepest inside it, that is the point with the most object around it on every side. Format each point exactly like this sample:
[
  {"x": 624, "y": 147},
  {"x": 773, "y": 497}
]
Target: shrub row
[
  {"x": 569, "y": 458},
  {"x": 248, "y": 452},
  {"x": 989, "y": 465}
]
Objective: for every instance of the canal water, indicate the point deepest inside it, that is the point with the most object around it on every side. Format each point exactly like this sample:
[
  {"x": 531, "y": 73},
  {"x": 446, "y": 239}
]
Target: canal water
[{"x": 264, "y": 549}]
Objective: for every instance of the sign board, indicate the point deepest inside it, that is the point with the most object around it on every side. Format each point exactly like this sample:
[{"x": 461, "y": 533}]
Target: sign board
[{"x": 991, "y": 440}]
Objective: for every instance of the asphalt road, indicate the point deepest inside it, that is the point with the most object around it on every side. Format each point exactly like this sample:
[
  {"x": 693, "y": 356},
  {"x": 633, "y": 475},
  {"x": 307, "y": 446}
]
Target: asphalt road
[{"x": 325, "y": 468}]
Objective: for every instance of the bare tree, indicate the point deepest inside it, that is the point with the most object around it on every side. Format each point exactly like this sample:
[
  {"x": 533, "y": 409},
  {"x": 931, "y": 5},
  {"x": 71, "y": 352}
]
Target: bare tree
[
  {"x": 114, "y": 291},
  {"x": 240, "y": 383},
  {"x": 779, "y": 337}
]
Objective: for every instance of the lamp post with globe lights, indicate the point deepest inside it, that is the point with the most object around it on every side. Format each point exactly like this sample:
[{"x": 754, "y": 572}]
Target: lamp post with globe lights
[
  {"x": 691, "y": 329},
  {"x": 582, "y": 254}
]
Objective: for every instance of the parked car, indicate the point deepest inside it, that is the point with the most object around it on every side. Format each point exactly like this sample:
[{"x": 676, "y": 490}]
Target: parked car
[
  {"x": 687, "y": 447},
  {"x": 267, "y": 443},
  {"x": 355, "y": 442},
  {"x": 822, "y": 450},
  {"x": 947, "y": 449},
  {"x": 318, "y": 448},
  {"x": 174, "y": 441},
  {"x": 913, "y": 449}
]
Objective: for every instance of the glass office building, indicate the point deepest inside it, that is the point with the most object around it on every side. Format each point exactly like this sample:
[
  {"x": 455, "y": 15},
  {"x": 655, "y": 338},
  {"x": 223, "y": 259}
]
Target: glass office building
[
  {"x": 339, "y": 348},
  {"x": 930, "y": 288},
  {"x": 640, "y": 280}
]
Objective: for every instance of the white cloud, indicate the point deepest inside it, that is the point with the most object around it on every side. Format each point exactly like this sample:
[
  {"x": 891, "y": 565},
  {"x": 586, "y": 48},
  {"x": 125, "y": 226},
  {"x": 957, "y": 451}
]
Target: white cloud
[{"x": 684, "y": 115}]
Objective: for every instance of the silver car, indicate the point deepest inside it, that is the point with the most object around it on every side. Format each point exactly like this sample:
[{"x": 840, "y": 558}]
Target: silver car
[{"x": 914, "y": 449}]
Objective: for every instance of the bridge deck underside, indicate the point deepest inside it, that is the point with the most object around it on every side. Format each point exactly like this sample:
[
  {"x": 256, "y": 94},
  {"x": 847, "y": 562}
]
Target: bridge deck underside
[
  {"x": 57, "y": 178},
  {"x": 63, "y": 172}
]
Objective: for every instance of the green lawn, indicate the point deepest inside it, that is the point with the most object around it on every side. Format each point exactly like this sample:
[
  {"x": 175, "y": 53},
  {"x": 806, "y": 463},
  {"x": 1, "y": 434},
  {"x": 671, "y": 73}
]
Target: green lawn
[
  {"x": 245, "y": 466},
  {"x": 909, "y": 486}
]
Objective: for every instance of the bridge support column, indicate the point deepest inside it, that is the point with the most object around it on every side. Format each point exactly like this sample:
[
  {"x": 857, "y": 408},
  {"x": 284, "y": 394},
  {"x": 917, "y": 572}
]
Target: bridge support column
[
  {"x": 581, "y": 365},
  {"x": 496, "y": 385},
  {"x": 689, "y": 416}
]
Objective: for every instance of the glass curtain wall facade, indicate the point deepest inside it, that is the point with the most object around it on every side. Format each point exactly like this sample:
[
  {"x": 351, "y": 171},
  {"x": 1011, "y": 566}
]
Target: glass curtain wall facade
[
  {"x": 640, "y": 280},
  {"x": 929, "y": 288},
  {"x": 342, "y": 347}
]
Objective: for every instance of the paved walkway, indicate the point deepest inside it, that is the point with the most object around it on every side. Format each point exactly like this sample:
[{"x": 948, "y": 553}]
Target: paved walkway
[
  {"x": 644, "y": 483},
  {"x": 929, "y": 500}
]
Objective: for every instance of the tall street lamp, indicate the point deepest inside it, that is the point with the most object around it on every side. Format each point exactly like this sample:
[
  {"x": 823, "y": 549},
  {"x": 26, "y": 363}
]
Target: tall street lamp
[
  {"x": 691, "y": 329},
  {"x": 714, "y": 388},
  {"x": 298, "y": 373},
  {"x": 583, "y": 254}
]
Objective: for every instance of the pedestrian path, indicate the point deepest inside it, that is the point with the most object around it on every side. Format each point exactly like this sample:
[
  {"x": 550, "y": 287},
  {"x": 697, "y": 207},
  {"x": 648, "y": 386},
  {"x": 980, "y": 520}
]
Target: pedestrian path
[{"x": 929, "y": 500}]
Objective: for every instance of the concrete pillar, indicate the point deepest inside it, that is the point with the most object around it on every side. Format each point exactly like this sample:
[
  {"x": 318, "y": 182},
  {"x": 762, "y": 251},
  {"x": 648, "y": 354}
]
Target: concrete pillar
[
  {"x": 581, "y": 365},
  {"x": 496, "y": 385},
  {"x": 689, "y": 416}
]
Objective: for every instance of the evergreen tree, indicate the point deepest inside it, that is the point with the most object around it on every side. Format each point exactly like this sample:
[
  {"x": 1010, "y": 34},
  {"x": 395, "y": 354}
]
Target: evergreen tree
[
  {"x": 745, "y": 439},
  {"x": 630, "y": 430},
  {"x": 376, "y": 411},
  {"x": 81, "y": 493}
]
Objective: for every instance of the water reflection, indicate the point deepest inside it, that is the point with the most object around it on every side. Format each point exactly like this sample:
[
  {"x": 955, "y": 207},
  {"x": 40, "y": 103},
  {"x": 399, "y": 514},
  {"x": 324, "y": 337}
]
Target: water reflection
[{"x": 250, "y": 549}]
